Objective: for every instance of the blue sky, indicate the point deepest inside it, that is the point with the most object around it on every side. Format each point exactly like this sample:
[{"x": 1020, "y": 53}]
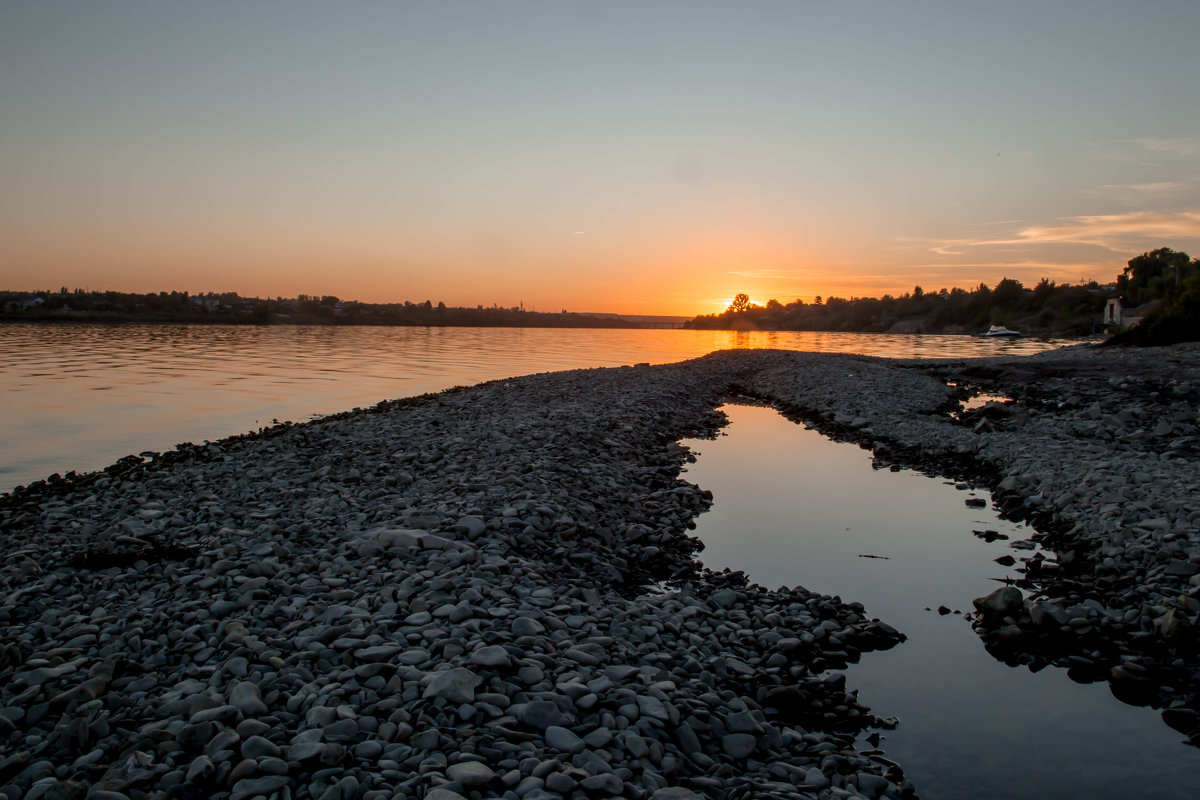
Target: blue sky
[{"x": 638, "y": 157}]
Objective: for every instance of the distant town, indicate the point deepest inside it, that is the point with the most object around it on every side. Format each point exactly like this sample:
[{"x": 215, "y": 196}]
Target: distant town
[{"x": 80, "y": 305}]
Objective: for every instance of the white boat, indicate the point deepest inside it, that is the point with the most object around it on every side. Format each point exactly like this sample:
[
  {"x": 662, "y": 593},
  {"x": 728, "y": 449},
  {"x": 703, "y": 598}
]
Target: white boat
[{"x": 1000, "y": 330}]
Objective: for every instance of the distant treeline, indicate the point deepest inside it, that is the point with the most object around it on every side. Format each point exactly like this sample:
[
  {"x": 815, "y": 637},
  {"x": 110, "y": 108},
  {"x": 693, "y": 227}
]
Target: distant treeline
[
  {"x": 229, "y": 307},
  {"x": 1047, "y": 307}
]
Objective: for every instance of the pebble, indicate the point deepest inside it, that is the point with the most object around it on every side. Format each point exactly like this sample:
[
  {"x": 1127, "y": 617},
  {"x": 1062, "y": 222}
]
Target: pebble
[
  {"x": 456, "y": 685},
  {"x": 470, "y": 773},
  {"x": 563, "y": 739}
]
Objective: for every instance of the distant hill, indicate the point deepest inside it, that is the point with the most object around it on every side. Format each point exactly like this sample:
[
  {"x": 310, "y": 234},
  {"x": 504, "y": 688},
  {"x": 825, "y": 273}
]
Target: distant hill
[
  {"x": 648, "y": 319},
  {"x": 230, "y": 308}
]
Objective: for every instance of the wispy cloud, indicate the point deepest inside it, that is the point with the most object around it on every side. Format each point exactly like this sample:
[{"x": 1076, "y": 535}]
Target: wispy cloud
[
  {"x": 1111, "y": 231},
  {"x": 769, "y": 273},
  {"x": 1146, "y": 188},
  {"x": 1186, "y": 146},
  {"x": 1118, "y": 233}
]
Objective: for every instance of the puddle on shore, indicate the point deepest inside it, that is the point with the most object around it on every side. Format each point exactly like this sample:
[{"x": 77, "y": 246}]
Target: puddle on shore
[
  {"x": 794, "y": 508},
  {"x": 981, "y": 400}
]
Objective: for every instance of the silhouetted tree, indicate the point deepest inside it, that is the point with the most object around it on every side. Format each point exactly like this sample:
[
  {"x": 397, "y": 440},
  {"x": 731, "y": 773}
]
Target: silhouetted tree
[
  {"x": 740, "y": 304},
  {"x": 1153, "y": 275}
]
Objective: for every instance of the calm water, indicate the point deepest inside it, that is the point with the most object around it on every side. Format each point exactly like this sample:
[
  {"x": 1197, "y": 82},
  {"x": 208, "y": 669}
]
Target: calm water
[
  {"x": 794, "y": 508},
  {"x": 78, "y": 397}
]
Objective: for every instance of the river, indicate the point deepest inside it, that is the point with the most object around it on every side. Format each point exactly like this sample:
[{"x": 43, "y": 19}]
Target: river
[{"x": 78, "y": 397}]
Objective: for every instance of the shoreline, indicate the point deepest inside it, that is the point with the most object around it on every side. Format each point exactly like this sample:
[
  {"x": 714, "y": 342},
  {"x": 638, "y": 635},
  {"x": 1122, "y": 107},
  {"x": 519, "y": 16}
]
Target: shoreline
[{"x": 336, "y": 603}]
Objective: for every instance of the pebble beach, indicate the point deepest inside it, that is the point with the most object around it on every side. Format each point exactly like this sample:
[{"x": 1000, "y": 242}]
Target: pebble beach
[{"x": 492, "y": 591}]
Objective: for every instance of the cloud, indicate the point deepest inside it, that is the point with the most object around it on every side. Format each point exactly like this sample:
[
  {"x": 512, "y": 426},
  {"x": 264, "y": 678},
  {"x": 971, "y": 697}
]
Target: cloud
[
  {"x": 1118, "y": 233},
  {"x": 1146, "y": 188},
  {"x": 1111, "y": 231},
  {"x": 1186, "y": 146},
  {"x": 770, "y": 273}
]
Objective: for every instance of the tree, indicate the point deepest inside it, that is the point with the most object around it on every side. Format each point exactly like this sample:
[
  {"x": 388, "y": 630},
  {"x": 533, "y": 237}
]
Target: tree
[
  {"x": 1153, "y": 275},
  {"x": 741, "y": 303},
  {"x": 1008, "y": 293}
]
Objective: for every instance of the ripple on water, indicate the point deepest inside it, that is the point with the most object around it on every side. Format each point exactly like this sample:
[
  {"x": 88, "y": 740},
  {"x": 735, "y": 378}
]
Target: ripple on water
[{"x": 211, "y": 381}]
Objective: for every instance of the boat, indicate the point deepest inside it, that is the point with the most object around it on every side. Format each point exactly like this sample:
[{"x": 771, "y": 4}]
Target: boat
[{"x": 1000, "y": 330}]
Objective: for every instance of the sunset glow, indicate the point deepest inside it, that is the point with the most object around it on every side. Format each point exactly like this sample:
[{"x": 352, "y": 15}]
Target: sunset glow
[{"x": 506, "y": 154}]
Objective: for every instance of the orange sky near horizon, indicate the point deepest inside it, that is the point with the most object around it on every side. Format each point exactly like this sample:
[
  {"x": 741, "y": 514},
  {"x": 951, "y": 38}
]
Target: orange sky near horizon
[{"x": 621, "y": 157}]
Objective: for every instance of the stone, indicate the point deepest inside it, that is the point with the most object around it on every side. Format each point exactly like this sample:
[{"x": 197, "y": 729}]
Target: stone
[
  {"x": 1005, "y": 601},
  {"x": 542, "y": 714},
  {"x": 472, "y": 527},
  {"x": 377, "y": 653},
  {"x": 563, "y": 739},
  {"x": 738, "y": 745},
  {"x": 201, "y": 769},
  {"x": 455, "y": 685},
  {"x": 470, "y": 773},
  {"x": 257, "y": 747},
  {"x": 652, "y": 707},
  {"x": 560, "y": 782},
  {"x": 527, "y": 626},
  {"x": 675, "y": 793},
  {"x": 815, "y": 778},
  {"x": 305, "y": 751},
  {"x": 440, "y": 793},
  {"x": 250, "y": 787},
  {"x": 491, "y": 656},
  {"x": 247, "y": 698}
]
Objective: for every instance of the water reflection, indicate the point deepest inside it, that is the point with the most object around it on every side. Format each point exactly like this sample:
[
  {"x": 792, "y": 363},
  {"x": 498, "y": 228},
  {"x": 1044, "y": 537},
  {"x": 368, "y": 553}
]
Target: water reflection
[
  {"x": 793, "y": 508},
  {"x": 78, "y": 397}
]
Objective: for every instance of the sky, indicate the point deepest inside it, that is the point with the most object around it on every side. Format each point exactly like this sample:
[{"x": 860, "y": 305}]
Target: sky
[{"x": 628, "y": 157}]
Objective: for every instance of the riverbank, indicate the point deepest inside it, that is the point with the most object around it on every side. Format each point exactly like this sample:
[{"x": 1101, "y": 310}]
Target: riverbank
[{"x": 491, "y": 590}]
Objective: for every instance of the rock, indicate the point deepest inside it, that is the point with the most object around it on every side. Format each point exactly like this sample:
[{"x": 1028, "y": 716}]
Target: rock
[
  {"x": 247, "y": 698},
  {"x": 527, "y": 626},
  {"x": 543, "y": 714},
  {"x": 256, "y": 786},
  {"x": 652, "y": 707},
  {"x": 738, "y": 745},
  {"x": 440, "y": 793},
  {"x": 675, "y": 793},
  {"x": 377, "y": 653},
  {"x": 305, "y": 751},
  {"x": 1005, "y": 601},
  {"x": 606, "y": 782},
  {"x": 815, "y": 778},
  {"x": 225, "y": 713},
  {"x": 560, "y": 783},
  {"x": 201, "y": 769},
  {"x": 470, "y": 773},
  {"x": 456, "y": 685},
  {"x": 563, "y": 739},
  {"x": 257, "y": 747},
  {"x": 472, "y": 527},
  {"x": 491, "y": 656}
]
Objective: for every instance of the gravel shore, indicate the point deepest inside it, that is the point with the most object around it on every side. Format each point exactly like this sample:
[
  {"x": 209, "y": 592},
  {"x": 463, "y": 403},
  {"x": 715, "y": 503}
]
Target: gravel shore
[
  {"x": 1099, "y": 450},
  {"x": 490, "y": 592}
]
